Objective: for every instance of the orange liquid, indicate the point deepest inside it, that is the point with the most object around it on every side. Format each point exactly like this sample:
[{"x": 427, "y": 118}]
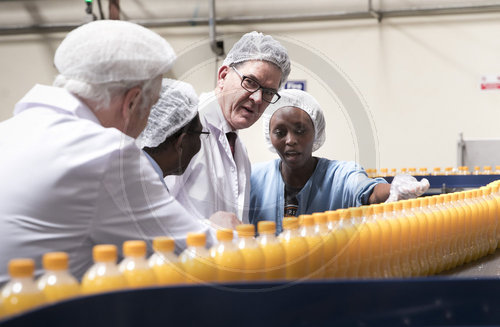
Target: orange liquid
[
  {"x": 275, "y": 258},
  {"x": 316, "y": 252},
  {"x": 341, "y": 242},
  {"x": 467, "y": 229},
  {"x": 103, "y": 283},
  {"x": 492, "y": 223},
  {"x": 329, "y": 253},
  {"x": 140, "y": 277},
  {"x": 421, "y": 241},
  {"x": 20, "y": 302},
  {"x": 431, "y": 247},
  {"x": 230, "y": 266},
  {"x": 394, "y": 259},
  {"x": 198, "y": 265},
  {"x": 254, "y": 263},
  {"x": 296, "y": 254},
  {"x": 375, "y": 245},
  {"x": 385, "y": 255},
  {"x": 364, "y": 250},
  {"x": 167, "y": 269}
]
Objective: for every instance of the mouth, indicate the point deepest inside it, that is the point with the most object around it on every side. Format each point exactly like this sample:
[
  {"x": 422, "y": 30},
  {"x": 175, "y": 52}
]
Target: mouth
[
  {"x": 292, "y": 154},
  {"x": 247, "y": 109}
]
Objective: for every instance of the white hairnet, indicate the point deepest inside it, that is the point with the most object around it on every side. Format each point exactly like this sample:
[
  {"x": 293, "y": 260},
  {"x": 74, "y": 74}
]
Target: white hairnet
[
  {"x": 111, "y": 51},
  {"x": 177, "y": 106},
  {"x": 301, "y": 100},
  {"x": 257, "y": 46}
]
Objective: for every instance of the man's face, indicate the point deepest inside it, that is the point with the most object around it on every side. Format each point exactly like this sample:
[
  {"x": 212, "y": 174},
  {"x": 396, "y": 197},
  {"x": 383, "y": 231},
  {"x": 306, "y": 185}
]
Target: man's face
[
  {"x": 139, "y": 116},
  {"x": 242, "y": 108}
]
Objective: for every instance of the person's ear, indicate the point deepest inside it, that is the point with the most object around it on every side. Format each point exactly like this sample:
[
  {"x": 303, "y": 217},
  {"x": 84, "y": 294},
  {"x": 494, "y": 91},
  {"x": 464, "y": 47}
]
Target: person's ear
[
  {"x": 131, "y": 101},
  {"x": 179, "y": 142},
  {"x": 221, "y": 76}
]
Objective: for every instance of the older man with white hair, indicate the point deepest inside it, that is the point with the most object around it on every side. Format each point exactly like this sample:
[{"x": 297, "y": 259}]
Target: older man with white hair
[{"x": 72, "y": 175}]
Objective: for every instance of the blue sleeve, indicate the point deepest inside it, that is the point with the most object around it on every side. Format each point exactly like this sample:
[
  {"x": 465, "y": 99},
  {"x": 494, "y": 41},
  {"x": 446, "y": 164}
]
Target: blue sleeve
[{"x": 357, "y": 185}]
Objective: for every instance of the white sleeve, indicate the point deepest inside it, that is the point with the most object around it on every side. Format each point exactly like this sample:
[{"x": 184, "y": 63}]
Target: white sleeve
[{"x": 134, "y": 204}]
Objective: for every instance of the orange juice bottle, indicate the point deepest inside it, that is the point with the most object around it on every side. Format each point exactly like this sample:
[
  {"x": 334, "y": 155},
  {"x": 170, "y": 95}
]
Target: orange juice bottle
[
  {"x": 274, "y": 252},
  {"x": 476, "y": 171},
  {"x": 296, "y": 250},
  {"x": 315, "y": 246},
  {"x": 333, "y": 217},
  {"x": 409, "y": 231},
  {"x": 57, "y": 283},
  {"x": 496, "y": 195},
  {"x": 412, "y": 171},
  {"x": 104, "y": 275},
  {"x": 227, "y": 257},
  {"x": 343, "y": 239},
  {"x": 255, "y": 262},
  {"x": 460, "y": 228},
  {"x": 466, "y": 229},
  {"x": 393, "y": 172},
  {"x": 382, "y": 247},
  {"x": 134, "y": 265},
  {"x": 436, "y": 171},
  {"x": 21, "y": 293},
  {"x": 482, "y": 222},
  {"x": 474, "y": 231},
  {"x": 448, "y": 171},
  {"x": 354, "y": 247},
  {"x": 164, "y": 263},
  {"x": 393, "y": 257},
  {"x": 375, "y": 267},
  {"x": 384, "y": 172},
  {"x": 448, "y": 227},
  {"x": 321, "y": 228},
  {"x": 493, "y": 218},
  {"x": 365, "y": 242},
  {"x": 196, "y": 260},
  {"x": 430, "y": 246},
  {"x": 487, "y": 170},
  {"x": 423, "y": 171},
  {"x": 456, "y": 217},
  {"x": 400, "y": 243},
  {"x": 438, "y": 234},
  {"x": 420, "y": 225}
]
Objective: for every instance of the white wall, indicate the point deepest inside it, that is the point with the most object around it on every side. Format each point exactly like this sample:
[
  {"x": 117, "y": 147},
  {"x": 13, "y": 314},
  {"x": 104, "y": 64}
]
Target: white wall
[{"x": 417, "y": 77}]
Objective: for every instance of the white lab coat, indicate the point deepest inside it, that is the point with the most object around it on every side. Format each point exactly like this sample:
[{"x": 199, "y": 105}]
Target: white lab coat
[
  {"x": 68, "y": 183},
  {"x": 214, "y": 180}
]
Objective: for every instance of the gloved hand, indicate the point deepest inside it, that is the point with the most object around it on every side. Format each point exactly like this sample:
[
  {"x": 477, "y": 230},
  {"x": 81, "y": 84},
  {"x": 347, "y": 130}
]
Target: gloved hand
[{"x": 405, "y": 186}]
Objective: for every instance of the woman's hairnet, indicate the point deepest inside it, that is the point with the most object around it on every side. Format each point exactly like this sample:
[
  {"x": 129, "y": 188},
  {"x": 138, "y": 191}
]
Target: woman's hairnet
[
  {"x": 112, "y": 51},
  {"x": 177, "y": 106},
  {"x": 257, "y": 46},
  {"x": 301, "y": 100}
]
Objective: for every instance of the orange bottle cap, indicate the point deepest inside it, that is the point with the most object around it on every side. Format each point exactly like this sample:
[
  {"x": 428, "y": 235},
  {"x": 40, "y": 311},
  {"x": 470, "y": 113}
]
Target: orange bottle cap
[
  {"x": 55, "y": 261},
  {"x": 245, "y": 230},
  {"x": 163, "y": 244},
  {"x": 104, "y": 253},
  {"x": 225, "y": 234},
  {"x": 266, "y": 227},
  {"x": 196, "y": 239},
  {"x": 19, "y": 268},
  {"x": 135, "y": 248}
]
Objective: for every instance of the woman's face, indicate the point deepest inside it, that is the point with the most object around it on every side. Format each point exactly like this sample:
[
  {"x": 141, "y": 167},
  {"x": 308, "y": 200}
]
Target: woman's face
[{"x": 292, "y": 135}]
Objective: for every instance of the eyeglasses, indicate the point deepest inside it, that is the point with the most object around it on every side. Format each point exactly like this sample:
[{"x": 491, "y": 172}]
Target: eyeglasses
[
  {"x": 251, "y": 85},
  {"x": 206, "y": 133}
]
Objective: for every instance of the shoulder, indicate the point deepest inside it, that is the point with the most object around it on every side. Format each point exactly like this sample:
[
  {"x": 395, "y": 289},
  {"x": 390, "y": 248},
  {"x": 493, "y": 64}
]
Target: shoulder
[{"x": 262, "y": 170}]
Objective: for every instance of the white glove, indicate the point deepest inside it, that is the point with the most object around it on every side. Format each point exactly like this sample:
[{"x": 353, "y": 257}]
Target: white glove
[{"x": 405, "y": 186}]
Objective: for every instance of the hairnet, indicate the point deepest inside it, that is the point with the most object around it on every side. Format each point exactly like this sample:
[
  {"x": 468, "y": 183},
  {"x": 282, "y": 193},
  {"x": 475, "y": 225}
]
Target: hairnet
[
  {"x": 110, "y": 51},
  {"x": 177, "y": 106},
  {"x": 301, "y": 100},
  {"x": 257, "y": 46}
]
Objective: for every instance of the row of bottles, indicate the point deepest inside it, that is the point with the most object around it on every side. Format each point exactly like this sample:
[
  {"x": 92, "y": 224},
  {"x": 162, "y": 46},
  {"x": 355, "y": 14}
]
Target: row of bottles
[
  {"x": 416, "y": 237},
  {"x": 437, "y": 171}
]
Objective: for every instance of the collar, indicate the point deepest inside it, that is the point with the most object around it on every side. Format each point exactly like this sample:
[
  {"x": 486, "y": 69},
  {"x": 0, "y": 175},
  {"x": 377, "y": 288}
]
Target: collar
[
  {"x": 211, "y": 110},
  {"x": 55, "y": 98}
]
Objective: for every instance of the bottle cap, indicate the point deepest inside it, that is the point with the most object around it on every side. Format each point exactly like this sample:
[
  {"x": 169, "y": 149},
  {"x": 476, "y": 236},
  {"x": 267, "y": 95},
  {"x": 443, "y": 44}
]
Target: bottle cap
[
  {"x": 406, "y": 204},
  {"x": 225, "y": 234},
  {"x": 378, "y": 209},
  {"x": 398, "y": 205},
  {"x": 55, "y": 261},
  {"x": 424, "y": 202},
  {"x": 388, "y": 207},
  {"x": 333, "y": 215},
  {"x": 290, "y": 223},
  {"x": 19, "y": 268},
  {"x": 307, "y": 220},
  {"x": 104, "y": 253},
  {"x": 266, "y": 227},
  {"x": 320, "y": 218},
  {"x": 356, "y": 212},
  {"x": 196, "y": 239},
  {"x": 163, "y": 244},
  {"x": 134, "y": 248},
  {"x": 367, "y": 210},
  {"x": 246, "y": 230},
  {"x": 432, "y": 200}
]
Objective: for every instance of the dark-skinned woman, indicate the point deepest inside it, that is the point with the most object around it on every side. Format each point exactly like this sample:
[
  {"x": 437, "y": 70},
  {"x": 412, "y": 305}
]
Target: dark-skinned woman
[{"x": 299, "y": 183}]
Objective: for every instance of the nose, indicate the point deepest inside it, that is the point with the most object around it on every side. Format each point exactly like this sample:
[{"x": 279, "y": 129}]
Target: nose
[
  {"x": 257, "y": 96},
  {"x": 291, "y": 139}
]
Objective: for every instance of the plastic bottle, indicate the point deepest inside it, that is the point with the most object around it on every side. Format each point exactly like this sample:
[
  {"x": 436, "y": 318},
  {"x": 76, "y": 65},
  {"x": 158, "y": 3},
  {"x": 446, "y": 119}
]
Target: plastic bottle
[
  {"x": 342, "y": 241},
  {"x": 374, "y": 261},
  {"x": 227, "y": 257},
  {"x": 165, "y": 264},
  {"x": 482, "y": 222},
  {"x": 467, "y": 241},
  {"x": 487, "y": 170},
  {"x": 393, "y": 255},
  {"x": 491, "y": 223},
  {"x": 436, "y": 171},
  {"x": 459, "y": 229},
  {"x": 21, "y": 293},
  {"x": 497, "y": 170},
  {"x": 474, "y": 231},
  {"x": 400, "y": 243},
  {"x": 420, "y": 224},
  {"x": 274, "y": 252},
  {"x": 393, "y": 172},
  {"x": 429, "y": 247},
  {"x": 439, "y": 234},
  {"x": 384, "y": 172},
  {"x": 404, "y": 170},
  {"x": 321, "y": 227},
  {"x": 453, "y": 230},
  {"x": 134, "y": 265},
  {"x": 104, "y": 275},
  {"x": 496, "y": 195},
  {"x": 354, "y": 244},
  {"x": 364, "y": 242},
  {"x": 476, "y": 171},
  {"x": 296, "y": 250},
  {"x": 449, "y": 171},
  {"x": 409, "y": 230},
  {"x": 57, "y": 283},
  {"x": 333, "y": 217},
  {"x": 383, "y": 245},
  {"x": 316, "y": 255},
  {"x": 196, "y": 260},
  {"x": 423, "y": 171},
  {"x": 255, "y": 262}
]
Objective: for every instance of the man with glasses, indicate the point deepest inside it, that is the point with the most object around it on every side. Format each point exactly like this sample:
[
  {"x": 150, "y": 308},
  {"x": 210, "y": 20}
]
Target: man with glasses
[{"x": 218, "y": 177}]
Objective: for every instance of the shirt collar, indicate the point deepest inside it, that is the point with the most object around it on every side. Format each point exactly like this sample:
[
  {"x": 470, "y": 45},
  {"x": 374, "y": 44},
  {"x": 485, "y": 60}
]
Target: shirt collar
[
  {"x": 56, "y": 98},
  {"x": 213, "y": 112}
]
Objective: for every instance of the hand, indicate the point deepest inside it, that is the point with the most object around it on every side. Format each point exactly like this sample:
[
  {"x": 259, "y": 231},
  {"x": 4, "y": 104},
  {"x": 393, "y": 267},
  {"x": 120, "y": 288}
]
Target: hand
[
  {"x": 222, "y": 219},
  {"x": 405, "y": 186}
]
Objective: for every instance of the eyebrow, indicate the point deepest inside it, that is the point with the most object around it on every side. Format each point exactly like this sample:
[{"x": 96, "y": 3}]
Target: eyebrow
[{"x": 260, "y": 83}]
